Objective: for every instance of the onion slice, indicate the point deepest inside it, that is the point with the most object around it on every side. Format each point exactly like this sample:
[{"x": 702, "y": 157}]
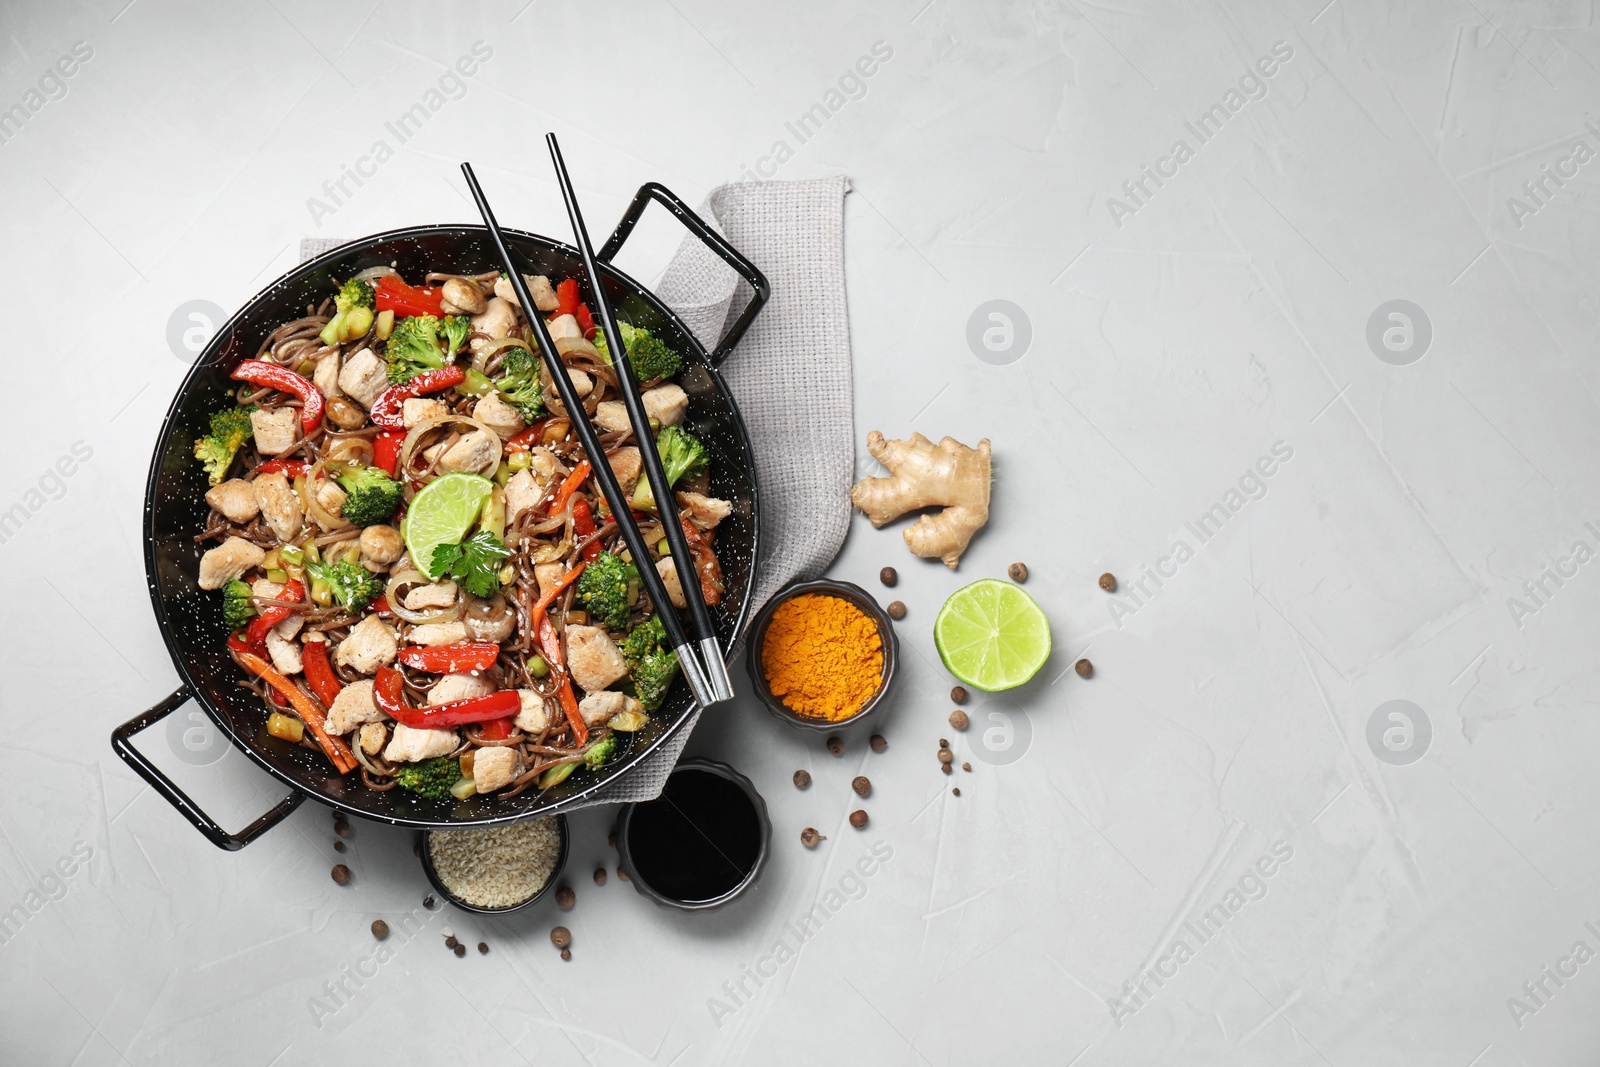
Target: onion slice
[
  {"x": 375, "y": 272},
  {"x": 397, "y": 605},
  {"x": 568, "y": 345}
]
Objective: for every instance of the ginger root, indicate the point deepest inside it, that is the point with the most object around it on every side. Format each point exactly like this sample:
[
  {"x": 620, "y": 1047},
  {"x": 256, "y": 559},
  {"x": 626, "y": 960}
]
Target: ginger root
[{"x": 948, "y": 475}]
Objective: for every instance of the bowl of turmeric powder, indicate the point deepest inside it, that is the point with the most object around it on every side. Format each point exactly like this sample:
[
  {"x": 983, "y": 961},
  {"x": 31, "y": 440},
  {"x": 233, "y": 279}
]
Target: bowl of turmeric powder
[{"x": 822, "y": 654}]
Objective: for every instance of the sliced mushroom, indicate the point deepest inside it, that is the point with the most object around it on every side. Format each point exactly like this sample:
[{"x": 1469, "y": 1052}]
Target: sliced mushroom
[{"x": 463, "y": 296}]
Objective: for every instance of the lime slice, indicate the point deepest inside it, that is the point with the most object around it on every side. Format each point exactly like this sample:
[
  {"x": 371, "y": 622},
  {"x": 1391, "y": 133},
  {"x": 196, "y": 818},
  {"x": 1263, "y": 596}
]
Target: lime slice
[
  {"x": 992, "y": 635},
  {"x": 442, "y": 514}
]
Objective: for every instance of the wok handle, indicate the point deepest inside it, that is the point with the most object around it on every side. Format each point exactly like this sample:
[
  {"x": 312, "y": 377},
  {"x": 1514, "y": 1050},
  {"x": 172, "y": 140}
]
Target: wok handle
[
  {"x": 122, "y": 741},
  {"x": 712, "y": 240}
]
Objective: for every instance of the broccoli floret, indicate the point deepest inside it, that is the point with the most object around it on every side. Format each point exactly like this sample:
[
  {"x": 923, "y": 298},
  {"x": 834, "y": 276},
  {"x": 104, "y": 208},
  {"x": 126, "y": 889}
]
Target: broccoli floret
[
  {"x": 519, "y": 383},
  {"x": 651, "y": 663},
  {"x": 431, "y": 777},
  {"x": 353, "y": 313},
  {"x": 230, "y": 428},
  {"x": 373, "y": 495},
  {"x": 682, "y": 456},
  {"x": 236, "y": 606},
  {"x": 414, "y": 348},
  {"x": 456, "y": 328},
  {"x": 350, "y": 584},
  {"x": 608, "y": 587},
  {"x": 647, "y": 354},
  {"x": 599, "y": 752}
]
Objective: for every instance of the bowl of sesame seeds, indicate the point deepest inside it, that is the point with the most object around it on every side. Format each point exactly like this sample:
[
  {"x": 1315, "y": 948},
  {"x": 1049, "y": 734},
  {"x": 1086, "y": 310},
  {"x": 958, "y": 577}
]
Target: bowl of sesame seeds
[{"x": 492, "y": 870}]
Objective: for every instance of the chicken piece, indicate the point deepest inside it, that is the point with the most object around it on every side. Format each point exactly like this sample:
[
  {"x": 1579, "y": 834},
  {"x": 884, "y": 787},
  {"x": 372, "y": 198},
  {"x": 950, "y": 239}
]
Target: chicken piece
[
  {"x": 459, "y": 687},
  {"x": 439, "y": 633},
  {"x": 626, "y": 464},
  {"x": 280, "y": 505},
  {"x": 611, "y": 416},
  {"x": 285, "y": 653},
  {"x": 522, "y": 493},
  {"x": 326, "y": 376},
  {"x": 410, "y": 746},
  {"x": 276, "y": 430},
  {"x": 495, "y": 766},
  {"x": 533, "y": 718},
  {"x": 371, "y": 645},
  {"x": 542, "y": 462},
  {"x": 227, "y": 561},
  {"x": 364, "y": 376},
  {"x": 565, "y": 327},
  {"x": 433, "y": 595},
  {"x": 332, "y": 497},
  {"x": 352, "y": 707},
  {"x": 491, "y": 324},
  {"x": 420, "y": 409},
  {"x": 668, "y": 569},
  {"x": 598, "y": 708},
  {"x": 593, "y": 658},
  {"x": 478, "y": 453},
  {"x": 236, "y": 499},
  {"x": 539, "y": 288},
  {"x": 666, "y": 403},
  {"x": 502, "y": 418},
  {"x": 373, "y": 735},
  {"x": 546, "y": 574},
  {"x": 704, "y": 511},
  {"x": 582, "y": 384}
]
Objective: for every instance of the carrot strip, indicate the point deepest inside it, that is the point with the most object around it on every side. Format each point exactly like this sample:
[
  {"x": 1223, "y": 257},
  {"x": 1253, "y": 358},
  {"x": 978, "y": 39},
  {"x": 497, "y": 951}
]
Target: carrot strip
[
  {"x": 569, "y": 705},
  {"x": 543, "y": 603},
  {"x": 570, "y": 486},
  {"x": 310, "y": 712}
]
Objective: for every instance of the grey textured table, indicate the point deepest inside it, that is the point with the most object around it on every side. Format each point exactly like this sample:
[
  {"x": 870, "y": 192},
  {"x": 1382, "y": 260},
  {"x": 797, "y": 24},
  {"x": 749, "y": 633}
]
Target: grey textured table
[{"x": 1230, "y": 846}]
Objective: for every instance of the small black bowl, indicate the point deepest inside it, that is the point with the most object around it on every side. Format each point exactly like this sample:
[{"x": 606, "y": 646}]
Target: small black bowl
[
  {"x": 764, "y": 847},
  {"x": 827, "y": 587},
  {"x": 438, "y": 883}
]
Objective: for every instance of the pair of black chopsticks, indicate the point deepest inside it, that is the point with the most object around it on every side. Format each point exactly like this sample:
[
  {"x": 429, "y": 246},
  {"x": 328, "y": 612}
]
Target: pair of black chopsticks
[{"x": 703, "y": 665}]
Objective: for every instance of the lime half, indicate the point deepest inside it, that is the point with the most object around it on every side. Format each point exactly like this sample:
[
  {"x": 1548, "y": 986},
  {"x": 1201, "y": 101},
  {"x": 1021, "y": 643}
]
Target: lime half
[
  {"x": 442, "y": 514},
  {"x": 992, "y": 635}
]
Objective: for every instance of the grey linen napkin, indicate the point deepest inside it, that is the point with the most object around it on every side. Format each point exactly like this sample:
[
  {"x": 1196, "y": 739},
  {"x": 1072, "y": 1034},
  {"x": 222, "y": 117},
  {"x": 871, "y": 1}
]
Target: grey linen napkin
[{"x": 790, "y": 375}]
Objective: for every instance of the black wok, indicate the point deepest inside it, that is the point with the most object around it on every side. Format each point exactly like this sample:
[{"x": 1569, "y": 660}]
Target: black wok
[{"x": 175, "y": 511}]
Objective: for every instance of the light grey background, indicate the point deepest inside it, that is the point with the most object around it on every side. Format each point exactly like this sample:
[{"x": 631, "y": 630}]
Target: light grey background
[{"x": 1175, "y": 340}]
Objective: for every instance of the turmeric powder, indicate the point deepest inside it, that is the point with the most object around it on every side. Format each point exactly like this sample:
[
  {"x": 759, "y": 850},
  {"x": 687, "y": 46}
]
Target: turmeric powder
[{"x": 822, "y": 656}]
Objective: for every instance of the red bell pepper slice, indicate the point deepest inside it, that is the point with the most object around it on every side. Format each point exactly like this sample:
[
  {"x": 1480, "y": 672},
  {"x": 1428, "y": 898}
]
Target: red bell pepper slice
[
  {"x": 388, "y": 693},
  {"x": 260, "y": 372},
  {"x": 386, "y": 410},
  {"x": 497, "y": 729},
  {"x": 319, "y": 673},
  {"x": 586, "y": 322},
  {"x": 451, "y": 659},
  {"x": 567, "y": 297},
  {"x": 294, "y": 468},
  {"x": 386, "y": 450},
  {"x": 239, "y": 641},
  {"x": 293, "y": 592},
  {"x": 402, "y": 299},
  {"x": 583, "y": 526}
]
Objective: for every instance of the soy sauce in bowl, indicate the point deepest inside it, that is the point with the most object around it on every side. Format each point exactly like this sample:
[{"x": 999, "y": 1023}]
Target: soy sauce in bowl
[{"x": 701, "y": 843}]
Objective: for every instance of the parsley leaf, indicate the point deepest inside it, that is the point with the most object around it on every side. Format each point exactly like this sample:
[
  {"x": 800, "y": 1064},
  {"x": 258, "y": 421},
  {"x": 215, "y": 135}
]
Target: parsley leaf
[{"x": 475, "y": 563}]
